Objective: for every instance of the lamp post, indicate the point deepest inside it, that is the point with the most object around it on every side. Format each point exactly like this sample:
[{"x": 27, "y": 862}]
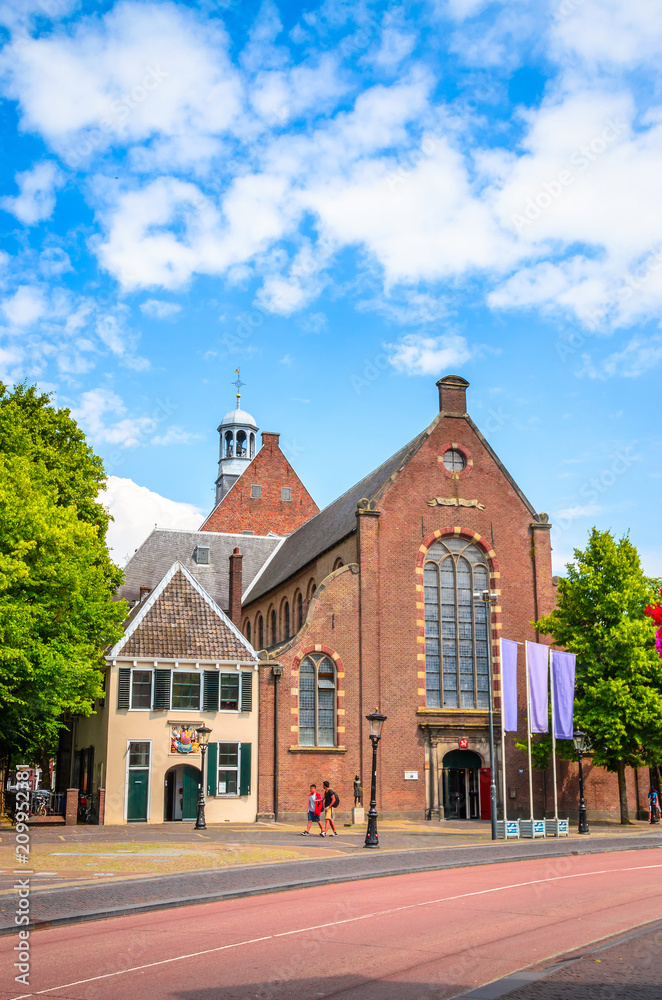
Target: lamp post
[
  {"x": 488, "y": 599},
  {"x": 203, "y": 740},
  {"x": 582, "y": 744},
  {"x": 376, "y": 720}
]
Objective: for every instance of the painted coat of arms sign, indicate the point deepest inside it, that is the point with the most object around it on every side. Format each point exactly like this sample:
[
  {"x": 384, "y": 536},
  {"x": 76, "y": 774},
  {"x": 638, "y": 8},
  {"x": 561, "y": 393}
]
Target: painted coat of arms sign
[{"x": 184, "y": 739}]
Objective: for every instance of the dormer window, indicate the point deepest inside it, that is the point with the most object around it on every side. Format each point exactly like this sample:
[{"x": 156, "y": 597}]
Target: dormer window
[
  {"x": 256, "y": 492},
  {"x": 202, "y": 555}
]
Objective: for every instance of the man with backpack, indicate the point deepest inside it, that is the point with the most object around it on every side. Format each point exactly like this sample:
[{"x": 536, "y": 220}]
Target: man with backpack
[
  {"x": 315, "y": 805},
  {"x": 331, "y": 801}
]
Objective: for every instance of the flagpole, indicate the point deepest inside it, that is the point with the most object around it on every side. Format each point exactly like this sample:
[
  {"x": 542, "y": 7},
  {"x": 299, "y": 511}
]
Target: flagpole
[
  {"x": 503, "y": 746},
  {"x": 551, "y": 689},
  {"x": 528, "y": 728}
]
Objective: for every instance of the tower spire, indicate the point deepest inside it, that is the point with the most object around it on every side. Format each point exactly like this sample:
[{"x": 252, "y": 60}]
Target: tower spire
[{"x": 238, "y": 384}]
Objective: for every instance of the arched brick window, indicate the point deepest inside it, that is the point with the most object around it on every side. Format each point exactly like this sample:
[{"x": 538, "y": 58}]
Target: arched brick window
[
  {"x": 317, "y": 701},
  {"x": 338, "y": 563},
  {"x": 456, "y": 635},
  {"x": 274, "y": 627},
  {"x": 299, "y": 610},
  {"x": 247, "y": 630},
  {"x": 286, "y": 620},
  {"x": 259, "y": 631}
]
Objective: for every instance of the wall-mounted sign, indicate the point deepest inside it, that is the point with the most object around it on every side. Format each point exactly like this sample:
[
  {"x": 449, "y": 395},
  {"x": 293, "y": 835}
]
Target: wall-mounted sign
[
  {"x": 411, "y": 775},
  {"x": 184, "y": 739},
  {"x": 455, "y": 502},
  {"x": 463, "y": 743}
]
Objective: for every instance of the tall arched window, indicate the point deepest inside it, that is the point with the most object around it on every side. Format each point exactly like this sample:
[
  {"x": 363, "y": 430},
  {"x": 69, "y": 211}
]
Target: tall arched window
[
  {"x": 252, "y": 446},
  {"x": 286, "y": 620},
  {"x": 317, "y": 701},
  {"x": 259, "y": 628},
  {"x": 274, "y": 627},
  {"x": 299, "y": 610},
  {"x": 229, "y": 444},
  {"x": 247, "y": 631},
  {"x": 456, "y": 666}
]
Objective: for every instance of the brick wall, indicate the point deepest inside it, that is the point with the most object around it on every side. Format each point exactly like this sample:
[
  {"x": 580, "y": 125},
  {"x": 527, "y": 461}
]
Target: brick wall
[{"x": 270, "y": 470}]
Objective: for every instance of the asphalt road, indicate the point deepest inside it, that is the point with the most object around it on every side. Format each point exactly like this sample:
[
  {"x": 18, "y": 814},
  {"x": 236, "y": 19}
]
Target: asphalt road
[{"x": 411, "y": 937}]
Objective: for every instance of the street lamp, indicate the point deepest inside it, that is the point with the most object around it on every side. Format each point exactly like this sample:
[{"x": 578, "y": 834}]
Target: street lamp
[
  {"x": 488, "y": 599},
  {"x": 376, "y": 720},
  {"x": 203, "y": 740},
  {"x": 582, "y": 744}
]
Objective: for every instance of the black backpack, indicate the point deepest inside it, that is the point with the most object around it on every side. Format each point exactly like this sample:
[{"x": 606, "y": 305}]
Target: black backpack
[{"x": 337, "y": 802}]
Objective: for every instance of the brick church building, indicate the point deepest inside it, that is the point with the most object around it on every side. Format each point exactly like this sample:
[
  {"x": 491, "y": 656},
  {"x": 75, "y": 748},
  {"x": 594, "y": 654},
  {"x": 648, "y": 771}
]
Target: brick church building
[{"x": 375, "y": 601}]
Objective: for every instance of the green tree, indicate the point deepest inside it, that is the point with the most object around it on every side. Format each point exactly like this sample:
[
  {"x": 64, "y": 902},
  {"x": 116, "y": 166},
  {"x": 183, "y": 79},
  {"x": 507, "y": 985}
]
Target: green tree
[
  {"x": 600, "y": 617},
  {"x": 57, "y": 580}
]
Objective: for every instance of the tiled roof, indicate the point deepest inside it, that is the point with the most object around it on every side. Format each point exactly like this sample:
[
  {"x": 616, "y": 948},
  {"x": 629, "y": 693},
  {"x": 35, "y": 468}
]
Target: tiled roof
[
  {"x": 329, "y": 526},
  {"x": 181, "y": 623},
  {"x": 163, "y": 547}
]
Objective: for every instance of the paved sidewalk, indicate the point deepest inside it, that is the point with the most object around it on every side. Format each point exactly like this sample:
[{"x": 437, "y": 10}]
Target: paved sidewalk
[
  {"x": 629, "y": 968},
  {"x": 84, "y": 902}
]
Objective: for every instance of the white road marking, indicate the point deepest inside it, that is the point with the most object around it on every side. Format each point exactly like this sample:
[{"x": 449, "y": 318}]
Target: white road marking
[{"x": 332, "y": 923}]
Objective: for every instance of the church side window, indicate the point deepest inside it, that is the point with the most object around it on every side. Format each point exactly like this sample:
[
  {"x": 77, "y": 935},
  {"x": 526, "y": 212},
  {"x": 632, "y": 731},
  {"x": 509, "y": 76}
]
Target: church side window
[
  {"x": 299, "y": 610},
  {"x": 274, "y": 627},
  {"x": 456, "y": 632},
  {"x": 317, "y": 701},
  {"x": 286, "y": 620},
  {"x": 259, "y": 628}
]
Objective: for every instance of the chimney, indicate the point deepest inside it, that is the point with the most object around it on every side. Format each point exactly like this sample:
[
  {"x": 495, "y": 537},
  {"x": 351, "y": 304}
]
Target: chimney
[
  {"x": 235, "y": 587},
  {"x": 270, "y": 441},
  {"x": 453, "y": 395},
  {"x": 144, "y": 591}
]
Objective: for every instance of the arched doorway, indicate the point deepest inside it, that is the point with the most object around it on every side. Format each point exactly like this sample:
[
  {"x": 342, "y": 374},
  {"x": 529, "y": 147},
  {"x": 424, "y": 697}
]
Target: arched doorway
[
  {"x": 461, "y": 784},
  {"x": 181, "y": 792}
]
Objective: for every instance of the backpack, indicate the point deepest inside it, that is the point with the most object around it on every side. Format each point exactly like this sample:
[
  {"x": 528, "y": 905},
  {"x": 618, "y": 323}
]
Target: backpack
[{"x": 337, "y": 802}]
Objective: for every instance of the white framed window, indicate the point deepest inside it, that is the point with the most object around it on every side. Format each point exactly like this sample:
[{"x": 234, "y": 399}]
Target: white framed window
[
  {"x": 141, "y": 689},
  {"x": 230, "y": 692},
  {"x": 256, "y": 492},
  {"x": 228, "y": 769},
  {"x": 285, "y": 493},
  {"x": 186, "y": 690}
]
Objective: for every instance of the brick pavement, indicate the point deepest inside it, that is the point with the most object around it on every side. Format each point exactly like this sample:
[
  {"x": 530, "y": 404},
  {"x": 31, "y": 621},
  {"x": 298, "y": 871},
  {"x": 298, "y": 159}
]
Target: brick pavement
[
  {"x": 72, "y": 904},
  {"x": 629, "y": 968}
]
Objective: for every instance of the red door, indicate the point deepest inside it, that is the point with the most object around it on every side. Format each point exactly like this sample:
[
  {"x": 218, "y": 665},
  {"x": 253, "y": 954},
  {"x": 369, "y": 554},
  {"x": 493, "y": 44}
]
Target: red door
[{"x": 484, "y": 793}]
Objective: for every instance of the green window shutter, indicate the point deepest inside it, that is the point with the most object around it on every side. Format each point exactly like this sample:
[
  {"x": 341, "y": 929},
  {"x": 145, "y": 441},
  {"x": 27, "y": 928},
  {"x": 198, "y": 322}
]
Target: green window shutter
[
  {"x": 246, "y": 691},
  {"x": 212, "y": 768},
  {"x": 162, "y": 690},
  {"x": 124, "y": 688},
  {"x": 210, "y": 698},
  {"x": 245, "y": 769}
]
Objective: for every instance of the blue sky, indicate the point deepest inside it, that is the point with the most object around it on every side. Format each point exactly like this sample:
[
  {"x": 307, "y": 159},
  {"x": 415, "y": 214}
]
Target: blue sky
[{"x": 348, "y": 200}]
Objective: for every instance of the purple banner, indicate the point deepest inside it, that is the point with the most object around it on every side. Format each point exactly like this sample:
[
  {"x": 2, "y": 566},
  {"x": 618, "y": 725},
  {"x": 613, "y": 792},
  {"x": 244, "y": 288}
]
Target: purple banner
[
  {"x": 538, "y": 659},
  {"x": 563, "y": 678},
  {"x": 509, "y": 685}
]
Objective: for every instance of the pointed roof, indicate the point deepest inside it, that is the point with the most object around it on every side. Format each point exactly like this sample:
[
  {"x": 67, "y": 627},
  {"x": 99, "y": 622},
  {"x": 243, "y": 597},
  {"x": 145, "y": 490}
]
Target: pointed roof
[{"x": 180, "y": 619}]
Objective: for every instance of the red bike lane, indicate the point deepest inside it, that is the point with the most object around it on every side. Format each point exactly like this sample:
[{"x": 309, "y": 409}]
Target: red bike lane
[{"x": 407, "y": 937}]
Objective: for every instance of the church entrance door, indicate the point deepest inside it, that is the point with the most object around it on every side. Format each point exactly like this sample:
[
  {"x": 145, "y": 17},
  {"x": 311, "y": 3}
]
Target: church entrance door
[{"x": 461, "y": 784}]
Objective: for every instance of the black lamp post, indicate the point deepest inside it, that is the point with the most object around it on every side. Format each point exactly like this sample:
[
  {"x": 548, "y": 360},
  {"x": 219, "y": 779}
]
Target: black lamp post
[
  {"x": 203, "y": 740},
  {"x": 376, "y": 720},
  {"x": 582, "y": 744}
]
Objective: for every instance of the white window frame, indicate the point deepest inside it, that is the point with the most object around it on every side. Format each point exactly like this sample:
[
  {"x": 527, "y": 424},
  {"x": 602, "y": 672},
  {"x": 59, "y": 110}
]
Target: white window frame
[
  {"x": 228, "y": 795},
  {"x": 176, "y": 708},
  {"x": 145, "y": 670},
  {"x": 258, "y": 495},
  {"x": 282, "y": 491},
  {"x": 229, "y": 711},
  {"x": 149, "y": 777}
]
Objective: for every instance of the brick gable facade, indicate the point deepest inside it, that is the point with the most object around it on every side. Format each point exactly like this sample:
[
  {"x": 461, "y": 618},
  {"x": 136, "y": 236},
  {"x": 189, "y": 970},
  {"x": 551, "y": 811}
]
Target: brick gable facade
[
  {"x": 239, "y": 511},
  {"x": 369, "y": 613}
]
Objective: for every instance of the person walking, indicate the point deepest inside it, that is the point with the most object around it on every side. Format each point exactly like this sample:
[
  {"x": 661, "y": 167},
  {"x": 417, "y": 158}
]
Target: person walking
[
  {"x": 315, "y": 806},
  {"x": 654, "y": 801},
  {"x": 331, "y": 800}
]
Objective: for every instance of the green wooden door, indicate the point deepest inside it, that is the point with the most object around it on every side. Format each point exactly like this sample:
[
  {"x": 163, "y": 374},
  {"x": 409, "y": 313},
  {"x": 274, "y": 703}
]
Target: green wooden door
[
  {"x": 190, "y": 794},
  {"x": 136, "y": 810}
]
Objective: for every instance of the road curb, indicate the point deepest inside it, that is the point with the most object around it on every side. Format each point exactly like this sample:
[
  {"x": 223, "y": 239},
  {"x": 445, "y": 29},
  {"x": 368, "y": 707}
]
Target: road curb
[{"x": 179, "y": 901}]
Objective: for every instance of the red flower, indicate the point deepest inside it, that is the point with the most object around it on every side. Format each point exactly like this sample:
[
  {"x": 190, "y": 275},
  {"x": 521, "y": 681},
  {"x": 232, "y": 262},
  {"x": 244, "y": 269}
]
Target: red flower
[{"x": 654, "y": 612}]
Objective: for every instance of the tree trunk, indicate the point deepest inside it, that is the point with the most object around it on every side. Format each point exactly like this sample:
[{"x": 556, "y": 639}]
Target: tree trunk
[{"x": 623, "y": 794}]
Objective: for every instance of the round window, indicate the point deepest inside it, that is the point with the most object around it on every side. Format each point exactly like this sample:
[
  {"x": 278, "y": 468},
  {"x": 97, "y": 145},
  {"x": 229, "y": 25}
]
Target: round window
[{"x": 454, "y": 460}]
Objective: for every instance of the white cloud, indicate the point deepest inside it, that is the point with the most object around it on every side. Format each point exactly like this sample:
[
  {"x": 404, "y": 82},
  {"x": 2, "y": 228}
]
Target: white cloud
[
  {"x": 416, "y": 354},
  {"x": 618, "y": 32},
  {"x": 102, "y": 415},
  {"x": 638, "y": 356},
  {"x": 36, "y": 200},
  {"x": 158, "y": 309},
  {"x": 137, "y": 510},
  {"x": 577, "y": 511},
  {"x": 25, "y": 307},
  {"x": 175, "y": 435}
]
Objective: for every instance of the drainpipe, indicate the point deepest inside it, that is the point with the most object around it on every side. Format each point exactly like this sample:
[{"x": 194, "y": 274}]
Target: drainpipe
[{"x": 277, "y": 671}]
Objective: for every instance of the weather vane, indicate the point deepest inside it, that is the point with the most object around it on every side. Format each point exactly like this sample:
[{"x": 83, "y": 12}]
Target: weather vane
[{"x": 238, "y": 384}]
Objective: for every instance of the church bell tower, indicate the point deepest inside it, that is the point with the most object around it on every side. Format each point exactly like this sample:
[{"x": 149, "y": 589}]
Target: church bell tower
[{"x": 238, "y": 435}]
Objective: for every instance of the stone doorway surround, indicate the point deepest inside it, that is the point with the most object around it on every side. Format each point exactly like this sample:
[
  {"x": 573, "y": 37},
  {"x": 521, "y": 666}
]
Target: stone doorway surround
[{"x": 440, "y": 737}]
